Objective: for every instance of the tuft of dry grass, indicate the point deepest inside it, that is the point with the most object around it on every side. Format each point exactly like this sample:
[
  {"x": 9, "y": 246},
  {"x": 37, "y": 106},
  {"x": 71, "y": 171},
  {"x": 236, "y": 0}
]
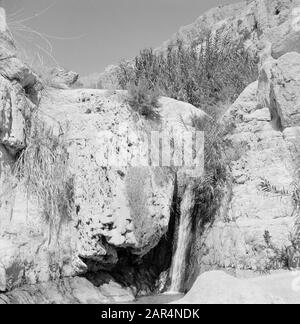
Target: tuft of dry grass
[{"x": 43, "y": 168}]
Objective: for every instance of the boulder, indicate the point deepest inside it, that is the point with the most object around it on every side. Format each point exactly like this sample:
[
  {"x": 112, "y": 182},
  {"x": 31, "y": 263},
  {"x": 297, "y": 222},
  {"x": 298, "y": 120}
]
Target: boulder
[
  {"x": 19, "y": 88},
  {"x": 216, "y": 287},
  {"x": 30, "y": 250},
  {"x": 251, "y": 21},
  {"x": 11, "y": 67},
  {"x": 14, "y": 107},
  {"x": 282, "y": 77},
  {"x": 61, "y": 78},
  {"x": 6, "y": 161},
  {"x": 116, "y": 293},
  {"x": 66, "y": 291}
]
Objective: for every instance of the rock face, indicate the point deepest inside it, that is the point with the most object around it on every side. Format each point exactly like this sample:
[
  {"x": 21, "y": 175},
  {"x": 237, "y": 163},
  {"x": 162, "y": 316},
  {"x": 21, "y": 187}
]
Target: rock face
[
  {"x": 16, "y": 79},
  {"x": 61, "y": 78},
  {"x": 284, "y": 89},
  {"x": 252, "y": 22},
  {"x": 24, "y": 254},
  {"x": 119, "y": 209},
  {"x": 276, "y": 21},
  {"x": 216, "y": 287},
  {"x": 120, "y": 206},
  {"x": 66, "y": 291},
  {"x": 115, "y": 207},
  {"x": 259, "y": 208}
]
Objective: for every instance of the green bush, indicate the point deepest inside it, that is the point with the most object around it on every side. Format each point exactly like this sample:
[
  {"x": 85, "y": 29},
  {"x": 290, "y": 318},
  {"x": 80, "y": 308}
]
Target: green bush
[
  {"x": 209, "y": 74},
  {"x": 143, "y": 100},
  {"x": 204, "y": 73},
  {"x": 209, "y": 188}
]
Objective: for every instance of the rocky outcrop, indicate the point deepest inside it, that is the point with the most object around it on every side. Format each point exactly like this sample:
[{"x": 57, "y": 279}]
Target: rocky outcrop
[
  {"x": 16, "y": 80},
  {"x": 65, "y": 291},
  {"x": 276, "y": 21},
  {"x": 216, "y": 287},
  {"x": 120, "y": 206},
  {"x": 282, "y": 89},
  {"x": 15, "y": 110},
  {"x": 258, "y": 219},
  {"x": 204, "y": 24},
  {"x": 61, "y": 78},
  {"x": 11, "y": 67}
]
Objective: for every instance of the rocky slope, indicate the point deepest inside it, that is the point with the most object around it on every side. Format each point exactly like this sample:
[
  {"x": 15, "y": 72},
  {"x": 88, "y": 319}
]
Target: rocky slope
[{"x": 251, "y": 21}]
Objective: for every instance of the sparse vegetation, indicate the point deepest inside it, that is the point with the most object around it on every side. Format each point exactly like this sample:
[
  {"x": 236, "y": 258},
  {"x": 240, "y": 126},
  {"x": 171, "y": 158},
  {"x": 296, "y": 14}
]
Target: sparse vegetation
[
  {"x": 210, "y": 74},
  {"x": 144, "y": 100},
  {"x": 209, "y": 71},
  {"x": 274, "y": 257},
  {"x": 209, "y": 189},
  {"x": 43, "y": 169},
  {"x": 293, "y": 192},
  {"x": 287, "y": 256}
]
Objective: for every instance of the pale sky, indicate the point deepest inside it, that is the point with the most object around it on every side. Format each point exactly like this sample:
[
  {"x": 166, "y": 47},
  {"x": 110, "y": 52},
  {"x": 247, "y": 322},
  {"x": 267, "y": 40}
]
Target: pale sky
[{"x": 97, "y": 33}]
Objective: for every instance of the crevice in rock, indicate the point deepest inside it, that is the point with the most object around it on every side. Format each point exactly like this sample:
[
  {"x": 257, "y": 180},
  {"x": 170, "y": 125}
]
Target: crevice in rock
[{"x": 276, "y": 122}]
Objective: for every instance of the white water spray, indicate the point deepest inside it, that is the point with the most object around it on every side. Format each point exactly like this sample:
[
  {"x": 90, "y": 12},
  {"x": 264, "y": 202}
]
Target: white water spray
[{"x": 184, "y": 235}]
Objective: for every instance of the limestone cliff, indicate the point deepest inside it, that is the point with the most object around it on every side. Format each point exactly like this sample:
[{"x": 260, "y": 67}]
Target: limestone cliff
[
  {"x": 262, "y": 196},
  {"x": 253, "y": 21},
  {"x": 118, "y": 213}
]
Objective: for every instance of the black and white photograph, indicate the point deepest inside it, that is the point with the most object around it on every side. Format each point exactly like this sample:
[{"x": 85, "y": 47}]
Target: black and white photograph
[{"x": 149, "y": 155}]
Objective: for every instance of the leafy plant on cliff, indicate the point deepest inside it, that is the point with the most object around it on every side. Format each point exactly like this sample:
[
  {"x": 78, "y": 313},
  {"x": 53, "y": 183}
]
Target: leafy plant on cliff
[
  {"x": 211, "y": 70},
  {"x": 43, "y": 169},
  {"x": 209, "y": 190},
  {"x": 287, "y": 256},
  {"x": 144, "y": 100}
]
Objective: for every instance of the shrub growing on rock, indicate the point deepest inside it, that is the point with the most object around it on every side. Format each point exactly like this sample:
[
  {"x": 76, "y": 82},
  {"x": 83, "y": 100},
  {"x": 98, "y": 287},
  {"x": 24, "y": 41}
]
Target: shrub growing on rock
[
  {"x": 43, "y": 168},
  {"x": 144, "y": 100},
  {"x": 209, "y": 188},
  {"x": 204, "y": 73}
]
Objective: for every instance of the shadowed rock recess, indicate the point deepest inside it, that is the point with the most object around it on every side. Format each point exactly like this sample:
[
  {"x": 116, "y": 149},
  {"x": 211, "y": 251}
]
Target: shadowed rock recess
[{"x": 115, "y": 237}]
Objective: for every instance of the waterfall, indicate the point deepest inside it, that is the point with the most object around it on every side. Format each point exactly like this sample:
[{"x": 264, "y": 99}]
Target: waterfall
[{"x": 183, "y": 239}]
